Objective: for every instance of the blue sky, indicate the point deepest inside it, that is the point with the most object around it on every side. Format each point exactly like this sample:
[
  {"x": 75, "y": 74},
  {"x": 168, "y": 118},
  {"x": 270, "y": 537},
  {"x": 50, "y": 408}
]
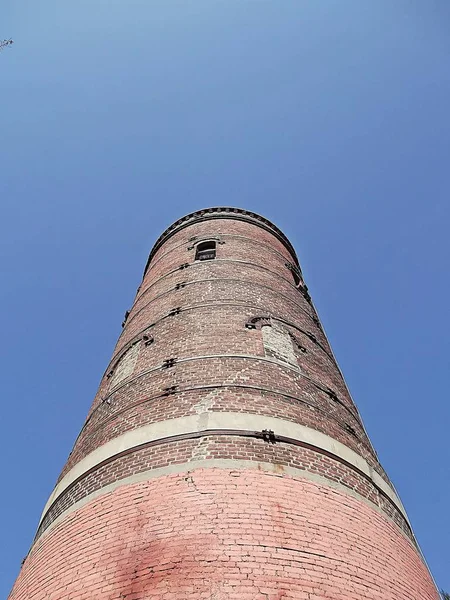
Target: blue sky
[{"x": 330, "y": 118}]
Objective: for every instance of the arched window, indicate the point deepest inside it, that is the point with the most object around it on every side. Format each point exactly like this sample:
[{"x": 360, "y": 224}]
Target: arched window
[
  {"x": 205, "y": 251},
  {"x": 125, "y": 365}
]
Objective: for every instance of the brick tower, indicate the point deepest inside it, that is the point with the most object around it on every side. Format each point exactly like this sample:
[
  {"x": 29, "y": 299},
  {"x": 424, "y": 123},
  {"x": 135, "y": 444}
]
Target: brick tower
[{"x": 223, "y": 457}]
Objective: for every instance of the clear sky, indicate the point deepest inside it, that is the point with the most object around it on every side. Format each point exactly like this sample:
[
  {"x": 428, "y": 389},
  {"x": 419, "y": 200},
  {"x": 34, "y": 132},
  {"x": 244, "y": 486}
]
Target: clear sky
[{"x": 329, "y": 117}]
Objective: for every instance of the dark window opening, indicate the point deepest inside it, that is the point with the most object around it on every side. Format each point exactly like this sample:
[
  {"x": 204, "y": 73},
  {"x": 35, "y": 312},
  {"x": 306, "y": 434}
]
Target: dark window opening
[
  {"x": 205, "y": 251},
  {"x": 295, "y": 274},
  {"x": 296, "y": 277}
]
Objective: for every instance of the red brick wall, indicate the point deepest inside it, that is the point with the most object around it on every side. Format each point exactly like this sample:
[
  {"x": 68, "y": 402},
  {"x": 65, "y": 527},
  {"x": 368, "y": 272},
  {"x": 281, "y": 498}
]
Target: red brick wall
[
  {"x": 220, "y": 297},
  {"x": 224, "y": 535},
  {"x": 215, "y": 533}
]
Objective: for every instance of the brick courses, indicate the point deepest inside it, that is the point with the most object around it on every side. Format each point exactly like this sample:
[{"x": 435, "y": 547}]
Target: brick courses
[
  {"x": 225, "y": 535},
  {"x": 237, "y": 334},
  {"x": 221, "y": 447}
]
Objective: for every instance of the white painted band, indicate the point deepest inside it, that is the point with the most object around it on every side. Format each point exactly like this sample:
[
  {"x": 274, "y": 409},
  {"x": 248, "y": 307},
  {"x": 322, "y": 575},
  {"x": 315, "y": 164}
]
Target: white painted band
[{"x": 222, "y": 420}]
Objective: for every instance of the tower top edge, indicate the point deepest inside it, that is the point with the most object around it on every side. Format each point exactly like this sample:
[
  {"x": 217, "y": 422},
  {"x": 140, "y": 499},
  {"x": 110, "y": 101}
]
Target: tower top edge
[{"x": 221, "y": 212}]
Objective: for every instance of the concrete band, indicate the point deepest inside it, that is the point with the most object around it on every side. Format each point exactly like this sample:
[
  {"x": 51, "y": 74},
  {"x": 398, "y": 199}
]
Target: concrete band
[
  {"x": 212, "y": 387},
  {"x": 217, "y": 463},
  {"x": 227, "y": 421}
]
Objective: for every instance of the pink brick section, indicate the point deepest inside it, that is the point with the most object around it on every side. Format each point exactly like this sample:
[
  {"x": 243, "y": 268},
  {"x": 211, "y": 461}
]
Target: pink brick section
[{"x": 219, "y": 534}]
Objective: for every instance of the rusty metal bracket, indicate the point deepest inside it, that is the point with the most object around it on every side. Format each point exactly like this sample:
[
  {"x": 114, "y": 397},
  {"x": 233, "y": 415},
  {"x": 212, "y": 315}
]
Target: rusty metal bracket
[
  {"x": 168, "y": 363},
  {"x": 268, "y": 436}
]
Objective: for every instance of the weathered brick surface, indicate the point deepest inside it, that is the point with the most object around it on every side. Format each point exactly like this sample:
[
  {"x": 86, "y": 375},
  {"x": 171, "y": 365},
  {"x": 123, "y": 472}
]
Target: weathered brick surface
[
  {"x": 128, "y": 410},
  {"x": 183, "y": 238},
  {"x": 239, "y": 294},
  {"x": 220, "y": 534},
  {"x": 221, "y": 447},
  {"x": 235, "y": 334},
  {"x": 223, "y": 270}
]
